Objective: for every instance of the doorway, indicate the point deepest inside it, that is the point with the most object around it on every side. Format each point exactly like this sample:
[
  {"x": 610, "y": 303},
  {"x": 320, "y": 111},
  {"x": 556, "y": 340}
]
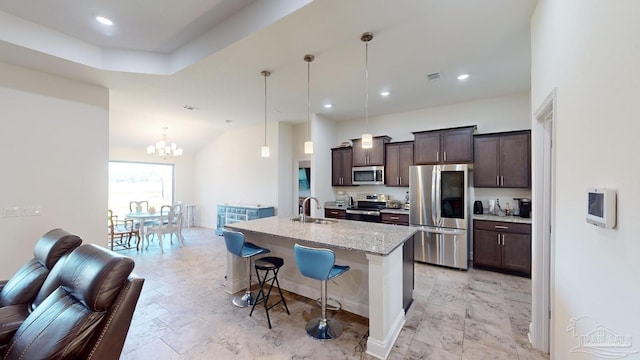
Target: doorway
[
  {"x": 543, "y": 231},
  {"x": 304, "y": 185}
]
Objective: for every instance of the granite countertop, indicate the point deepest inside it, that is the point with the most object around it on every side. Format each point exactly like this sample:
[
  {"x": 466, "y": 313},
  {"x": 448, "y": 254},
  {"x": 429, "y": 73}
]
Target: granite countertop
[
  {"x": 335, "y": 207},
  {"x": 511, "y": 219},
  {"x": 372, "y": 238},
  {"x": 395, "y": 211}
]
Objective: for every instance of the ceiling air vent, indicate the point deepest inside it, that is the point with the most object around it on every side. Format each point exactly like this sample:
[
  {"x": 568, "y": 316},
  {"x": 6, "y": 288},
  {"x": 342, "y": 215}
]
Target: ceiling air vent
[{"x": 433, "y": 76}]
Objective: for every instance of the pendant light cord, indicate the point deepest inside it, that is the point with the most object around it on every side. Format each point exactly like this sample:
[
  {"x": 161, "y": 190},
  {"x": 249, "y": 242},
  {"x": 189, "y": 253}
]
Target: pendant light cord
[
  {"x": 265, "y": 109},
  {"x": 366, "y": 77},
  {"x": 309, "y": 99}
]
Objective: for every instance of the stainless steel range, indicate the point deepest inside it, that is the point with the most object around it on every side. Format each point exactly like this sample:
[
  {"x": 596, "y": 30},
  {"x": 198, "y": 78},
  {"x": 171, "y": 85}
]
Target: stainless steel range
[{"x": 367, "y": 207}]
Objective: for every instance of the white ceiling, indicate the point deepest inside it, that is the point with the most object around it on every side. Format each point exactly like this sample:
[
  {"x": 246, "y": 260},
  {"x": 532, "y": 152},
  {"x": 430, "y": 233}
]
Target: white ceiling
[{"x": 161, "y": 55}]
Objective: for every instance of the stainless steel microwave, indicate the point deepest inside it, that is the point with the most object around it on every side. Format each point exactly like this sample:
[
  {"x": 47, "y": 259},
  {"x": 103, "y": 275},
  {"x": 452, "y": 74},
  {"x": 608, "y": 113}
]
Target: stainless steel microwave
[{"x": 367, "y": 175}]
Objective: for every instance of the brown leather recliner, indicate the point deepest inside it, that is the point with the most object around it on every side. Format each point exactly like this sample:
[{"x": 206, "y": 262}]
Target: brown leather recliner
[
  {"x": 88, "y": 314},
  {"x": 26, "y": 282}
]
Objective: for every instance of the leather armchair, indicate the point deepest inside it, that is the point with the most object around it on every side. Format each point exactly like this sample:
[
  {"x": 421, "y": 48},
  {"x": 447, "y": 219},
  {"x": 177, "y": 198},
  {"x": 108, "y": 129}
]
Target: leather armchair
[
  {"x": 25, "y": 284},
  {"x": 87, "y": 315}
]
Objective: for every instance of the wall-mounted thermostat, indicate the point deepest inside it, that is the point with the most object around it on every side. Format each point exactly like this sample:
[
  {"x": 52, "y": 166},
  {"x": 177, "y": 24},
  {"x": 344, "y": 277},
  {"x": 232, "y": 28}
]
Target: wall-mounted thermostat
[{"x": 601, "y": 207}]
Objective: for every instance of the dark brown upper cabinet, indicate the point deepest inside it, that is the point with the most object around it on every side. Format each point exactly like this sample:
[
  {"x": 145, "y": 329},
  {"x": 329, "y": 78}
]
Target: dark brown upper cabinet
[
  {"x": 446, "y": 146},
  {"x": 399, "y": 158},
  {"x": 502, "y": 160},
  {"x": 341, "y": 163},
  {"x": 370, "y": 157}
]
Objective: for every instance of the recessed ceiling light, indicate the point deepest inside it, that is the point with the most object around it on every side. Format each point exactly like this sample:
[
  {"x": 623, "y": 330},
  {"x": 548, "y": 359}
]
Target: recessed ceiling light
[
  {"x": 103, "y": 20},
  {"x": 385, "y": 93},
  {"x": 328, "y": 106},
  {"x": 463, "y": 76}
]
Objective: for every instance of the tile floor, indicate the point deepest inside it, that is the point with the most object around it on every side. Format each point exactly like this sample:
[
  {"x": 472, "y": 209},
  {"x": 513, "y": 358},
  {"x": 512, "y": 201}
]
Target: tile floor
[{"x": 184, "y": 313}]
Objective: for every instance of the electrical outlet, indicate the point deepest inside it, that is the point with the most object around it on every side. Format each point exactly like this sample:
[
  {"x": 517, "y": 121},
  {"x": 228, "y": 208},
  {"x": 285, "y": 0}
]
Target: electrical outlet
[{"x": 11, "y": 211}]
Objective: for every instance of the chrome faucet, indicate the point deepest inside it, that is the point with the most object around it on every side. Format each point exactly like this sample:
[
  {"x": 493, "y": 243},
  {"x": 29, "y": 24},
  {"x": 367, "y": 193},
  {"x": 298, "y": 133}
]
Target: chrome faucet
[{"x": 304, "y": 203}]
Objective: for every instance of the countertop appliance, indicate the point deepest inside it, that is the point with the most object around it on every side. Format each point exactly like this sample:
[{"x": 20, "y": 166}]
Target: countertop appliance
[
  {"x": 525, "y": 208},
  {"x": 367, "y": 175},
  {"x": 438, "y": 197},
  {"x": 367, "y": 207},
  {"x": 477, "y": 207}
]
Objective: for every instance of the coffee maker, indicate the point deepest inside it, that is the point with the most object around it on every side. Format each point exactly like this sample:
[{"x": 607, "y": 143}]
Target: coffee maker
[{"x": 524, "y": 206}]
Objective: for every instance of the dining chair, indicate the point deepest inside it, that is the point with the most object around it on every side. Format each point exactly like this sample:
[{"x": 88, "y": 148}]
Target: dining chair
[
  {"x": 171, "y": 223},
  {"x": 139, "y": 206},
  {"x": 121, "y": 228}
]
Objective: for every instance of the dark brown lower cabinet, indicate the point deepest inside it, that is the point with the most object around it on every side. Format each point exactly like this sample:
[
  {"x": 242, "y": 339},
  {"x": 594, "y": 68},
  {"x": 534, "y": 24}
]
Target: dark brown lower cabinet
[
  {"x": 502, "y": 246},
  {"x": 394, "y": 219},
  {"x": 335, "y": 213}
]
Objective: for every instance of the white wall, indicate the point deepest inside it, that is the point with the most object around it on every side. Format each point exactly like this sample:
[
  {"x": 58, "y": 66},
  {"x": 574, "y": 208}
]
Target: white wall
[
  {"x": 184, "y": 186},
  {"x": 588, "y": 51},
  {"x": 230, "y": 170},
  {"x": 286, "y": 170},
  {"x": 324, "y": 137},
  {"x": 55, "y": 143}
]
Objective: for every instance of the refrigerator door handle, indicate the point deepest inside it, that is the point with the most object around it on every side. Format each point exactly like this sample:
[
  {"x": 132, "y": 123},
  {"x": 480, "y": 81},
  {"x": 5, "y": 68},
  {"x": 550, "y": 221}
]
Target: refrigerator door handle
[
  {"x": 434, "y": 211},
  {"x": 438, "y": 197}
]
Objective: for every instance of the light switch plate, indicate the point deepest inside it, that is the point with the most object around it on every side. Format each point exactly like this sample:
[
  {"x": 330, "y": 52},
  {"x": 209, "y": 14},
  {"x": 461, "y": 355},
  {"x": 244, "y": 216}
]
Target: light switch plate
[{"x": 11, "y": 211}]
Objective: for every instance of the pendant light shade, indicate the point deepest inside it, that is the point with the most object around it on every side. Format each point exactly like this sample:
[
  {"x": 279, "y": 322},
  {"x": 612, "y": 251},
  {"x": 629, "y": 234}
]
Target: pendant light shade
[
  {"x": 308, "y": 145},
  {"x": 367, "y": 138},
  {"x": 264, "y": 151},
  {"x": 367, "y": 141}
]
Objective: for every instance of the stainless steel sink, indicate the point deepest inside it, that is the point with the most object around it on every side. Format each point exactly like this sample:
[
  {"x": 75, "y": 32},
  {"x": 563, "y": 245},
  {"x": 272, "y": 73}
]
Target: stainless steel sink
[{"x": 312, "y": 220}]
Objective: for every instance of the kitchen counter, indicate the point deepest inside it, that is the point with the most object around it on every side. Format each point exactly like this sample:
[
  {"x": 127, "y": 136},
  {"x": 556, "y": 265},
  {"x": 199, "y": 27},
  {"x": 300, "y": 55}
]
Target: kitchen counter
[
  {"x": 374, "y": 285},
  {"x": 334, "y": 206},
  {"x": 395, "y": 211},
  {"x": 371, "y": 238},
  {"x": 511, "y": 219}
]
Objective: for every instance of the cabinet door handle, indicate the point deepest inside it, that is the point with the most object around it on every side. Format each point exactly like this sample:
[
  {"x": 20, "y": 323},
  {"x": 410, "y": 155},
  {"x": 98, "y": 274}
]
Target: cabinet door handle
[
  {"x": 501, "y": 227},
  {"x": 502, "y": 239},
  {"x": 498, "y": 239},
  {"x": 437, "y": 155},
  {"x": 400, "y": 182},
  {"x": 445, "y": 156},
  {"x": 394, "y": 218},
  {"x": 497, "y": 180},
  {"x": 501, "y": 180}
]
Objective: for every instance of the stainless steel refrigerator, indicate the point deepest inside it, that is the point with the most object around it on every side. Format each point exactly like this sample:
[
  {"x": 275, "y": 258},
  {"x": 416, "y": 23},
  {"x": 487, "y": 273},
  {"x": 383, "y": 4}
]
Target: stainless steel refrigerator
[{"x": 438, "y": 197}]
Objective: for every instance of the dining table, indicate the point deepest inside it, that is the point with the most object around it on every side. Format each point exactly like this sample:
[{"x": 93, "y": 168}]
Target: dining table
[{"x": 146, "y": 219}]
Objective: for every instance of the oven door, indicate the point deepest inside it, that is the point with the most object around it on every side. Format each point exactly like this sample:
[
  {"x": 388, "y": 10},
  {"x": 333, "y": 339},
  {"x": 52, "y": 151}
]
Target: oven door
[{"x": 363, "y": 215}]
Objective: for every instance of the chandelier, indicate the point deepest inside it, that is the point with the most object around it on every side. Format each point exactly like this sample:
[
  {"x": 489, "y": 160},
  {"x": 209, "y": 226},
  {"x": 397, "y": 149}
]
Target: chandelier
[{"x": 163, "y": 149}]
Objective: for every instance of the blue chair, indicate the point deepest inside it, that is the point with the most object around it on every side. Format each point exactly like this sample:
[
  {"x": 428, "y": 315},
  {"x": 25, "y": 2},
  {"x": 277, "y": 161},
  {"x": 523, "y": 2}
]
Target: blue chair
[
  {"x": 237, "y": 246},
  {"x": 320, "y": 264}
]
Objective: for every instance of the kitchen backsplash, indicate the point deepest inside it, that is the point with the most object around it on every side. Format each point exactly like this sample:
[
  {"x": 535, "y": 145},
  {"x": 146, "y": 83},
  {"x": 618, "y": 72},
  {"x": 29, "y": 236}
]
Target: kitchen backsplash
[
  {"x": 505, "y": 196},
  {"x": 482, "y": 194}
]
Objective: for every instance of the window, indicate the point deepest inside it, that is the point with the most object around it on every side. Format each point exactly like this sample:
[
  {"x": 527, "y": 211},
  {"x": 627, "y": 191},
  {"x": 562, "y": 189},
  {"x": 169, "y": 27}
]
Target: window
[{"x": 134, "y": 181}]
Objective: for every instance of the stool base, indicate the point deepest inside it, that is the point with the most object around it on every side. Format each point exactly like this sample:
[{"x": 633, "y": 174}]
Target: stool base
[
  {"x": 323, "y": 329},
  {"x": 243, "y": 301}
]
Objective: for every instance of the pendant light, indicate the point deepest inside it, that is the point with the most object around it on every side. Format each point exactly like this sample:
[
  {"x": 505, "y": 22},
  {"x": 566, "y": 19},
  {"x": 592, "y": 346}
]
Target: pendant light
[
  {"x": 308, "y": 145},
  {"x": 265, "y": 149},
  {"x": 367, "y": 138}
]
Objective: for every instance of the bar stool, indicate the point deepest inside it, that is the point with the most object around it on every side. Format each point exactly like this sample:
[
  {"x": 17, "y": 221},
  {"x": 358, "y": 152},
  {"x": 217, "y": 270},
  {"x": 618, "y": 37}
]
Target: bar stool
[
  {"x": 267, "y": 264},
  {"x": 320, "y": 264},
  {"x": 237, "y": 246}
]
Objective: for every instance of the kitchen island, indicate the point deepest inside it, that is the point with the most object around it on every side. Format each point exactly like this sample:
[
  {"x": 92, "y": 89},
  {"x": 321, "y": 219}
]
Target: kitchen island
[{"x": 372, "y": 288}]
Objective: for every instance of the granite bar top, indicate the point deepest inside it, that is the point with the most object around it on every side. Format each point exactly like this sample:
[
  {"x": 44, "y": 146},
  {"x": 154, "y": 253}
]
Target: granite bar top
[
  {"x": 372, "y": 238},
  {"x": 510, "y": 219}
]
